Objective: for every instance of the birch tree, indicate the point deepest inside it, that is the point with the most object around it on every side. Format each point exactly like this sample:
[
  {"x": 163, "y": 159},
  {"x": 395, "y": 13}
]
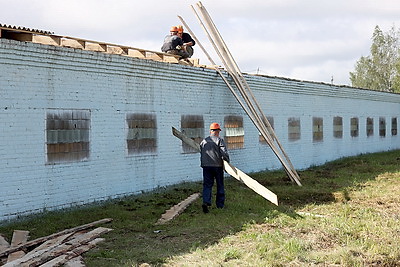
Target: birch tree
[{"x": 381, "y": 69}]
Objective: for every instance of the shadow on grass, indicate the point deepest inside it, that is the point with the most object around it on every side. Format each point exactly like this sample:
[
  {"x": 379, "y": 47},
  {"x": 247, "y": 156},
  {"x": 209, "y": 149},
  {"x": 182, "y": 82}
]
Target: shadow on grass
[{"x": 136, "y": 239}]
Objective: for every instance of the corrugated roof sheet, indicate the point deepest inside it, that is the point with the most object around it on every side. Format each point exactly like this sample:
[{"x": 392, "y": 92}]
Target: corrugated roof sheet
[{"x": 13, "y": 27}]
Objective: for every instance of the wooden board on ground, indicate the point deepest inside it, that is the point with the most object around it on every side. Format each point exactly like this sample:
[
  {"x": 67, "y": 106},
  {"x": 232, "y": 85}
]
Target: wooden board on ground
[
  {"x": 233, "y": 171},
  {"x": 3, "y": 244},
  {"x": 75, "y": 262},
  {"x": 19, "y": 237},
  {"x": 177, "y": 209}
]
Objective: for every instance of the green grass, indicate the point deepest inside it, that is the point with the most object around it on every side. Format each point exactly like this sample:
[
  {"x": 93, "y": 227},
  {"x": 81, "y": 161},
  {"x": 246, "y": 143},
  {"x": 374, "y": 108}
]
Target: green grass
[{"x": 347, "y": 213}]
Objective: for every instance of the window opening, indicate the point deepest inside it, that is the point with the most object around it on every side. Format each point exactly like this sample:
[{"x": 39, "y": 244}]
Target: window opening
[
  {"x": 67, "y": 135},
  {"x": 142, "y": 133},
  {"x": 234, "y": 132}
]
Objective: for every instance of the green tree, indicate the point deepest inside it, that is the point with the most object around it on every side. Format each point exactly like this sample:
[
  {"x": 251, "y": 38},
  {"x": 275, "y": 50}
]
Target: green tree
[{"x": 381, "y": 69}]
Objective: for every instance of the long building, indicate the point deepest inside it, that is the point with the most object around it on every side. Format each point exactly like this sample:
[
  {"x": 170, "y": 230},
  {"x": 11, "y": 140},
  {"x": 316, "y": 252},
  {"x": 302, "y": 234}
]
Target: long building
[{"x": 83, "y": 121}]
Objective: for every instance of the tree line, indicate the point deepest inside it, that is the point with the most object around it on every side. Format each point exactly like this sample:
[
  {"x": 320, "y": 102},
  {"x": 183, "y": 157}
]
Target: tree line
[{"x": 381, "y": 69}]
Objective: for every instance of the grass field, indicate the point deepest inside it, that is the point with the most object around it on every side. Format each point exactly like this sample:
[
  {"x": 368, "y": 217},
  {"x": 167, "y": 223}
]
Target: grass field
[{"x": 347, "y": 213}]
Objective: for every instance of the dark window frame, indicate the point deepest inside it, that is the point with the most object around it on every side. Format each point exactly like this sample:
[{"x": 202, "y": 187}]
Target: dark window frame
[
  {"x": 193, "y": 127},
  {"x": 318, "y": 129},
  {"x": 234, "y": 132},
  {"x": 142, "y": 133},
  {"x": 67, "y": 135}
]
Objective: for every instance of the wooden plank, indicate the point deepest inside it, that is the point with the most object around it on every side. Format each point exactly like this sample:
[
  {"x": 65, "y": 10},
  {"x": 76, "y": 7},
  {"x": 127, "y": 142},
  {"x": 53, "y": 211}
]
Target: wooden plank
[
  {"x": 190, "y": 142},
  {"x": 45, "y": 238},
  {"x": 258, "y": 118},
  {"x": 233, "y": 171},
  {"x": 251, "y": 183},
  {"x": 3, "y": 244},
  {"x": 19, "y": 237},
  {"x": 47, "y": 254},
  {"x": 49, "y": 243},
  {"x": 75, "y": 262},
  {"x": 177, "y": 209},
  {"x": 73, "y": 254}
]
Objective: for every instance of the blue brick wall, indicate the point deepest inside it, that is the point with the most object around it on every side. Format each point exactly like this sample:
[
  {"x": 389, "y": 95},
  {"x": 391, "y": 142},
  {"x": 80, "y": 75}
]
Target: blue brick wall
[{"x": 35, "y": 78}]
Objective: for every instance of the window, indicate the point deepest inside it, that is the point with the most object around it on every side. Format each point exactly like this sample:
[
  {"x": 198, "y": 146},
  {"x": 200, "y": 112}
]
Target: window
[
  {"x": 354, "y": 127},
  {"x": 370, "y": 126},
  {"x": 234, "y": 132},
  {"x": 294, "y": 132},
  {"x": 142, "y": 133},
  {"x": 382, "y": 127},
  {"x": 394, "y": 126},
  {"x": 338, "y": 127},
  {"x": 318, "y": 129},
  {"x": 67, "y": 135},
  {"x": 192, "y": 126},
  {"x": 271, "y": 122}
]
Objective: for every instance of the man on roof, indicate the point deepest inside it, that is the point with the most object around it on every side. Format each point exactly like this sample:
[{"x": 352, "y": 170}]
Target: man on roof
[
  {"x": 173, "y": 44},
  {"x": 188, "y": 41}
]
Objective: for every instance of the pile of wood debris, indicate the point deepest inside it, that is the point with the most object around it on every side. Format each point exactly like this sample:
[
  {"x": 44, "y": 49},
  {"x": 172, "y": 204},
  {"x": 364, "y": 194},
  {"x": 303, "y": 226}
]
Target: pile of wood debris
[{"x": 60, "y": 248}]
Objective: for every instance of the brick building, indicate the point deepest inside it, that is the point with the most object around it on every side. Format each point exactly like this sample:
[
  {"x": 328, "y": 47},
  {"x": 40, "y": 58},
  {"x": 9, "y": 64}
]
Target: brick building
[{"x": 81, "y": 125}]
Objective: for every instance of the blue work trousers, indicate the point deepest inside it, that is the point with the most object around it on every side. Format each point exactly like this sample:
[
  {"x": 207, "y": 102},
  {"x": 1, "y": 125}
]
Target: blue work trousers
[{"x": 209, "y": 174}]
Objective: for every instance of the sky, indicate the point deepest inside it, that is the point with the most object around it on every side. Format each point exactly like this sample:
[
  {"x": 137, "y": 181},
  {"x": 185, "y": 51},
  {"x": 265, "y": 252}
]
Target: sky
[{"x": 311, "y": 40}]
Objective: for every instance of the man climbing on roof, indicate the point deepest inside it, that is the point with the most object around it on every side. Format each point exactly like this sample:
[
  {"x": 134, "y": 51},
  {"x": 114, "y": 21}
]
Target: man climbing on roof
[
  {"x": 188, "y": 41},
  {"x": 173, "y": 44},
  {"x": 212, "y": 153}
]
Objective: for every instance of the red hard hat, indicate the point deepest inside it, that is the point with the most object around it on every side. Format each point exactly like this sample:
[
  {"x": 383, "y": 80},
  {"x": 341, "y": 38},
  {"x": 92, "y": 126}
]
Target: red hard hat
[{"x": 215, "y": 126}]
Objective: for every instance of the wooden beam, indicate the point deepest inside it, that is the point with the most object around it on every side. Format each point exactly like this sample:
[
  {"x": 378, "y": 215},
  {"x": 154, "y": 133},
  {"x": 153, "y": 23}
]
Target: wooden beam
[
  {"x": 233, "y": 171},
  {"x": 136, "y": 53},
  {"x": 96, "y": 47},
  {"x": 116, "y": 50},
  {"x": 256, "y": 115},
  {"x": 171, "y": 58},
  {"x": 73, "y": 43},
  {"x": 46, "y": 39},
  {"x": 156, "y": 56}
]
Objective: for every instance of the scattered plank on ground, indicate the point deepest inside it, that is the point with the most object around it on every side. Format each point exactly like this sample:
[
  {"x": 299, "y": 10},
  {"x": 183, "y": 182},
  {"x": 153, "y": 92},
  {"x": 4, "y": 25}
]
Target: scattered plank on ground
[
  {"x": 177, "y": 209},
  {"x": 45, "y": 238},
  {"x": 53, "y": 250}
]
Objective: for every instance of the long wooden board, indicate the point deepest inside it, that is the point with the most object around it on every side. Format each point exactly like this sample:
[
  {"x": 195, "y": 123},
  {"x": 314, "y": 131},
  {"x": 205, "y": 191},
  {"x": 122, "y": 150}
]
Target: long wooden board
[
  {"x": 251, "y": 183},
  {"x": 177, "y": 209},
  {"x": 233, "y": 171}
]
